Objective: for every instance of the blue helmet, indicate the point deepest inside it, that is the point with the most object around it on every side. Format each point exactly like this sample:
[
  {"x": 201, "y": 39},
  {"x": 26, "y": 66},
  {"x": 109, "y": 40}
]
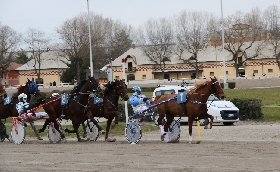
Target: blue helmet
[{"x": 136, "y": 89}]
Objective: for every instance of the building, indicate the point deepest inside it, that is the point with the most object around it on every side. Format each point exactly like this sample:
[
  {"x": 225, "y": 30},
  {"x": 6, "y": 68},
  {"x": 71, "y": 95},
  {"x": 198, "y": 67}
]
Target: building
[
  {"x": 209, "y": 61},
  {"x": 11, "y": 75},
  {"x": 51, "y": 68}
]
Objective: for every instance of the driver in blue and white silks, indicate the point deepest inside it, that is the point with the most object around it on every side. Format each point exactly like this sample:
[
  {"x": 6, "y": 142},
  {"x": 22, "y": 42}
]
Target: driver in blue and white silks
[{"x": 138, "y": 101}]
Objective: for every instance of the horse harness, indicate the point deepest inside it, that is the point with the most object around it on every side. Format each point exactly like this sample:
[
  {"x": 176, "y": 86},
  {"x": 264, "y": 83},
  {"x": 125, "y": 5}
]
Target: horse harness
[{"x": 185, "y": 112}]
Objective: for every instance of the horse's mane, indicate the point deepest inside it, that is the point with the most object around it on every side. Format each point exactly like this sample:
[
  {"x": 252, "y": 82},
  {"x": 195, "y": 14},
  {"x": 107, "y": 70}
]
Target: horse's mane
[
  {"x": 156, "y": 99},
  {"x": 197, "y": 86},
  {"x": 78, "y": 87},
  {"x": 109, "y": 87},
  {"x": 2, "y": 89}
]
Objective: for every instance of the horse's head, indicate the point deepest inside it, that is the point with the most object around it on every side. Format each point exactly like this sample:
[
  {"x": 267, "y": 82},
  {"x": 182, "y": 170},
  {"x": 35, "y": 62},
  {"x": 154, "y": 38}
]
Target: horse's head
[
  {"x": 3, "y": 93},
  {"x": 94, "y": 85},
  {"x": 32, "y": 88},
  {"x": 217, "y": 90},
  {"x": 121, "y": 89}
]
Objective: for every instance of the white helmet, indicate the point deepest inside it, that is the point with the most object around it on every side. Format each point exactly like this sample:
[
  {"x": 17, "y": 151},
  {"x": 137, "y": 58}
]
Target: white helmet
[{"x": 22, "y": 96}]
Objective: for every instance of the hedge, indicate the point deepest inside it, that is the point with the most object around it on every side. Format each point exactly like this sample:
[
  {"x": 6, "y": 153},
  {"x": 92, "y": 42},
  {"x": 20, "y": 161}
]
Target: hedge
[
  {"x": 231, "y": 85},
  {"x": 248, "y": 108}
]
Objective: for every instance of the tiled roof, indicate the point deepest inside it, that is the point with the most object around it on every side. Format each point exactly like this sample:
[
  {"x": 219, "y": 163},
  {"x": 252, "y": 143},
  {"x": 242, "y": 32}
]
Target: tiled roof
[
  {"x": 210, "y": 54},
  {"x": 13, "y": 66},
  {"x": 49, "y": 60}
]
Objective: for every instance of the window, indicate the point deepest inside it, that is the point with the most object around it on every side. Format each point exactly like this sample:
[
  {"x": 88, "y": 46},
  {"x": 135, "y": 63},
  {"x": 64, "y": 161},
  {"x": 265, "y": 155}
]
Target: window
[
  {"x": 117, "y": 77},
  {"x": 143, "y": 76},
  {"x": 226, "y": 72},
  {"x": 256, "y": 71},
  {"x": 270, "y": 70},
  {"x": 211, "y": 73}
]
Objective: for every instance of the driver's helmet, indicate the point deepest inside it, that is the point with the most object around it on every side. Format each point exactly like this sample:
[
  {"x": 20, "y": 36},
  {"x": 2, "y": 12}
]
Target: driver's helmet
[
  {"x": 136, "y": 89},
  {"x": 22, "y": 97}
]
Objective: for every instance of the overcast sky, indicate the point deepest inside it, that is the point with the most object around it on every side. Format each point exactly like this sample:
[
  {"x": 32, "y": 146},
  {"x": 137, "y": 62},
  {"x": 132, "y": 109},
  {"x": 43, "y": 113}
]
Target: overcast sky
[{"x": 47, "y": 15}]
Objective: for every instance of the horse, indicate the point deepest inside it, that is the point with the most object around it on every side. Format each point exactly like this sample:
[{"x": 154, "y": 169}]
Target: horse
[
  {"x": 108, "y": 108},
  {"x": 30, "y": 88},
  {"x": 76, "y": 107},
  {"x": 194, "y": 107}
]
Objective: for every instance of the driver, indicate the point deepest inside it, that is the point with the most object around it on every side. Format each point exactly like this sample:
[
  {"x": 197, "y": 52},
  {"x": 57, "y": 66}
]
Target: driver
[
  {"x": 22, "y": 107},
  {"x": 138, "y": 101}
]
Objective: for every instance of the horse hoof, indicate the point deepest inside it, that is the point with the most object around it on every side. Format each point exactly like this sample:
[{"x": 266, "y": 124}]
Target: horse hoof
[
  {"x": 82, "y": 140},
  {"x": 194, "y": 142},
  {"x": 174, "y": 141},
  {"x": 84, "y": 135},
  {"x": 205, "y": 127},
  {"x": 39, "y": 138},
  {"x": 162, "y": 137},
  {"x": 111, "y": 140}
]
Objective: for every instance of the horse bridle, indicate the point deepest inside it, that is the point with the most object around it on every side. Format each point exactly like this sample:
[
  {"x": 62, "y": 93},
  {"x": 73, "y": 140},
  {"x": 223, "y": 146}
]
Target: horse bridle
[{"x": 213, "y": 88}]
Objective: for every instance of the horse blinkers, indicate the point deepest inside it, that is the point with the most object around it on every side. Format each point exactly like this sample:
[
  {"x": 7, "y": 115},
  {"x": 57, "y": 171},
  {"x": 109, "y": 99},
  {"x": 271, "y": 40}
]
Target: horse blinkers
[{"x": 214, "y": 90}]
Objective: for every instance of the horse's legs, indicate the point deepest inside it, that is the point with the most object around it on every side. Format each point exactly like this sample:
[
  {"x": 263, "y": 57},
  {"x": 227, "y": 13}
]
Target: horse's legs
[
  {"x": 168, "y": 122},
  {"x": 84, "y": 128},
  {"x": 95, "y": 123},
  {"x": 35, "y": 131},
  {"x": 3, "y": 132},
  {"x": 47, "y": 121},
  {"x": 116, "y": 121},
  {"x": 76, "y": 125},
  {"x": 56, "y": 126},
  {"x": 190, "y": 123},
  {"x": 211, "y": 122},
  {"x": 109, "y": 121}
]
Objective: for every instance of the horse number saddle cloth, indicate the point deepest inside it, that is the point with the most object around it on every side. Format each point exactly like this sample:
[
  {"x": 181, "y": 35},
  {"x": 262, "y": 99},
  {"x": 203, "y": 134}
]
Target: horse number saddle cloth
[{"x": 8, "y": 99}]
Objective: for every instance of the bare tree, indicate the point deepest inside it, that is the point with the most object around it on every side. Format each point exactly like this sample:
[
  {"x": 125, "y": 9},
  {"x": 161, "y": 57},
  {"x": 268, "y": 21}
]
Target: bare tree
[
  {"x": 272, "y": 23},
  {"x": 38, "y": 44},
  {"x": 157, "y": 41},
  {"x": 9, "y": 40},
  {"x": 244, "y": 33},
  {"x": 192, "y": 31},
  {"x": 75, "y": 41}
]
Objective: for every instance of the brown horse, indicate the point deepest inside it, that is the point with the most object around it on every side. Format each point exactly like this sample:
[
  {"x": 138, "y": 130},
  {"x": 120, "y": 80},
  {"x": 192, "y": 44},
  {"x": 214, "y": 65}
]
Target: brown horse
[
  {"x": 76, "y": 107},
  {"x": 194, "y": 107},
  {"x": 109, "y": 107},
  {"x": 30, "y": 88}
]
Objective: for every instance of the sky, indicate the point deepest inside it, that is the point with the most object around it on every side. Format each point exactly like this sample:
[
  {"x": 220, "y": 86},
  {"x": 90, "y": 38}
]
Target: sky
[{"x": 47, "y": 15}]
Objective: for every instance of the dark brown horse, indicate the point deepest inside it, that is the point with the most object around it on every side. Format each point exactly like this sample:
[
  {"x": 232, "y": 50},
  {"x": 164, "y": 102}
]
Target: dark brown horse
[
  {"x": 76, "y": 107},
  {"x": 194, "y": 107},
  {"x": 109, "y": 108},
  {"x": 30, "y": 88},
  {"x": 3, "y": 133}
]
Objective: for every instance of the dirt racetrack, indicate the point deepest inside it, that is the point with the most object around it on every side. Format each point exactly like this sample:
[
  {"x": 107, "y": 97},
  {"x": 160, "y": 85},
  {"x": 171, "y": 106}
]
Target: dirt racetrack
[{"x": 246, "y": 146}]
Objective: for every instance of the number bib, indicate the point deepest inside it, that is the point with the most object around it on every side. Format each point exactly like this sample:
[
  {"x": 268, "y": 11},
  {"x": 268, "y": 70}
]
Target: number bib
[
  {"x": 64, "y": 99},
  {"x": 181, "y": 97},
  {"x": 8, "y": 99}
]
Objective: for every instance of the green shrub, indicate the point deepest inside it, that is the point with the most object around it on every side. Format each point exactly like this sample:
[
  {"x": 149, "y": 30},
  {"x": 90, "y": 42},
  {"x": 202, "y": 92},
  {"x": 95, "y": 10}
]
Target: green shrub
[
  {"x": 248, "y": 108},
  {"x": 231, "y": 85}
]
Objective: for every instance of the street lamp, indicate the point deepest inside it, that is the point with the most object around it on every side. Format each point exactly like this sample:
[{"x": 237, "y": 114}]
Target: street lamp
[
  {"x": 223, "y": 40},
  {"x": 90, "y": 50}
]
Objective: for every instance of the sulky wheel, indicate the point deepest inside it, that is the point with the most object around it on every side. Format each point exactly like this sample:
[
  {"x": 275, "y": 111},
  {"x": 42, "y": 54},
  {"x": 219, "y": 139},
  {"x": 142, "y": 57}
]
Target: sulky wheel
[
  {"x": 173, "y": 132},
  {"x": 53, "y": 135},
  {"x": 92, "y": 132},
  {"x": 133, "y": 132},
  {"x": 18, "y": 133}
]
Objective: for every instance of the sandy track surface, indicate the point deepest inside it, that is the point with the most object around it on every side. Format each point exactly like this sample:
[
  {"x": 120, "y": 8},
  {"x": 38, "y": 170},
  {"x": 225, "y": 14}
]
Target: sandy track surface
[{"x": 242, "y": 147}]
